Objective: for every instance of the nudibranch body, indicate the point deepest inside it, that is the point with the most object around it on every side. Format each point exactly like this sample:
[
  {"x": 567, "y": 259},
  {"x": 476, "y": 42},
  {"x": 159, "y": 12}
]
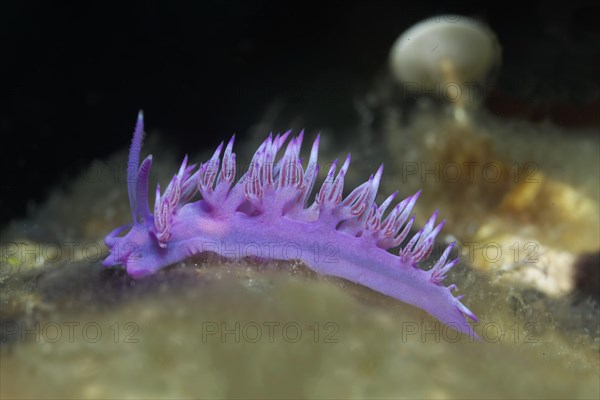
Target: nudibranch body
[{"x": 266, "y": 213}]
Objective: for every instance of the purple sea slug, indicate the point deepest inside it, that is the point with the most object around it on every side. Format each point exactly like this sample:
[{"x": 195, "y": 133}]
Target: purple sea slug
[{"x": 342, "y": 237}]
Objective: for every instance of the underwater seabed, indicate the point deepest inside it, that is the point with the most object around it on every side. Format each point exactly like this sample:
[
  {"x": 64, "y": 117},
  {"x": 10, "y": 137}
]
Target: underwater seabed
[
  {"x": 212, "y": 329},
  {"x": 522, "y": 198}
]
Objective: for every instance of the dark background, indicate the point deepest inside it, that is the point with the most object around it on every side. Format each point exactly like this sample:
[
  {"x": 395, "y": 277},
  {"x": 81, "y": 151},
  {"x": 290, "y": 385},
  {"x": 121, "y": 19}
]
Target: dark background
[{"x": 76, "y": 73}]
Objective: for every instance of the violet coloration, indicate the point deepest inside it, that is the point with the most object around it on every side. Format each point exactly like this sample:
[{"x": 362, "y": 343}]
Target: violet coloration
[{"x": 349, "y": 237}]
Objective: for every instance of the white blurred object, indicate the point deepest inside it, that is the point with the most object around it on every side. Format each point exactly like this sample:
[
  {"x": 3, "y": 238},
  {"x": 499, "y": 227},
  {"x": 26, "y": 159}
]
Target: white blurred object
[{"x": 451, "y": 57}]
